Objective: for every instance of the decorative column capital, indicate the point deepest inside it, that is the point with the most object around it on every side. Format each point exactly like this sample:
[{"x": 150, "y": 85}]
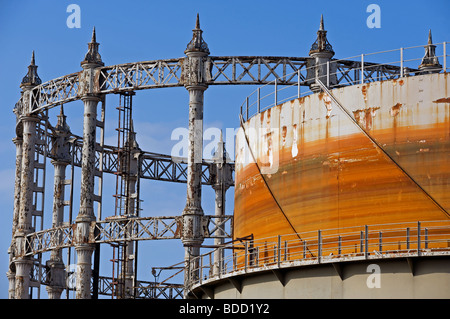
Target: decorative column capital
[
  {"x": 17, "y": 140},
  {"x": 89, "y": 98},
  {"x": 196, "y": 68},
  {"x": 56, "y": 278},
  {"x": 22, "y": 282},
  {"x": 12, "y": 283},
  {"x": 30, "y": 118},
  {"x": 89, "y": 79}
]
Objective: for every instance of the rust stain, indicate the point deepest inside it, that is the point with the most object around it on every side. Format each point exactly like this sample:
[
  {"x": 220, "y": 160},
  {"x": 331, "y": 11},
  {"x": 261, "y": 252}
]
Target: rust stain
[
  {"x": 268, "y": 117},
  {"x": 327, "y": 102},
  {"x": 443, "y": 100},
  {"x": 341, "y": 180},
  {"x": 395, "y": 109},
  {"x": 365, "y": 117},
  {"x": 283, "y": 133},
  {"x": 364, "y": 92},
  {"x": 329, "y": 181},
  {"x": 341, "y": 183}
]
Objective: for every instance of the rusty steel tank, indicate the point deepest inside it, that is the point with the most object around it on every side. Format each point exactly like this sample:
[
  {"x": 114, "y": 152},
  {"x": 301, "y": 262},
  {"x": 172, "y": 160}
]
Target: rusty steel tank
[
  {"x": 319, "y": 169},
  {"x": 348, "y": 179}
]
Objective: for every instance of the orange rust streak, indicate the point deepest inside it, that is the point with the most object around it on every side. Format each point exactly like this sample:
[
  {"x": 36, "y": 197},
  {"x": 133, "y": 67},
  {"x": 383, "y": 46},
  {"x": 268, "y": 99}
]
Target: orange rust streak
[
  {"x": 443, "y": 100},
  {"x": 336, "y": 183}
]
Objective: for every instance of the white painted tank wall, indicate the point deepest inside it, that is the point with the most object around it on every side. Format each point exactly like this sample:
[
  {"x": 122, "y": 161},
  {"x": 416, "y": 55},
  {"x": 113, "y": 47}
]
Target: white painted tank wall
[{"x": 419, "y": 278}]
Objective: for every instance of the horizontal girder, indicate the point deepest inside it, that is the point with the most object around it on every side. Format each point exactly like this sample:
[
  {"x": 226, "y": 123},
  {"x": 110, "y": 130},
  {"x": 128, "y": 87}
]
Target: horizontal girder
[
  {"x": 144, "y": 289},
  {"x": 123, "y": 229},
  {"x": 152, "y": 166},
  {"x": 226, "y": 70}
]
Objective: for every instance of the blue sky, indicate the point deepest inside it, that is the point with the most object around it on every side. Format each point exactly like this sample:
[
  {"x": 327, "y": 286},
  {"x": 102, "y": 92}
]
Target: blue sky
[{"x": 130, "y": 31}]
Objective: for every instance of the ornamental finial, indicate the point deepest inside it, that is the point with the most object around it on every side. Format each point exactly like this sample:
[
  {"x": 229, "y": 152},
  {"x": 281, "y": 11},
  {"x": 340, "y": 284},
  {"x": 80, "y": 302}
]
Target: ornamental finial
[
  {"x": 321, "y": 44},
  {"x": 32, "y": 78},
  {"x": 197, "y": 44},
  {"x": 61, "y": 124},
  {"x": 92, "y": 56},
  {"x": 430, "y": 62}
]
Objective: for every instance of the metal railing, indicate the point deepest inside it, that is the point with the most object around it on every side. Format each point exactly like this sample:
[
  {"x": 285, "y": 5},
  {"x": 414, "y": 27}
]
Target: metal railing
[
  {"x": 423, "y": 238},
  {"x": 384, "y": 65}
]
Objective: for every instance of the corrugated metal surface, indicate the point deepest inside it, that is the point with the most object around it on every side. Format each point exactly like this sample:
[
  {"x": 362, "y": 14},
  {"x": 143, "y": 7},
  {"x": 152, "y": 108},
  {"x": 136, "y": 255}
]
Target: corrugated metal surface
[{"x": 324, "y": 173}]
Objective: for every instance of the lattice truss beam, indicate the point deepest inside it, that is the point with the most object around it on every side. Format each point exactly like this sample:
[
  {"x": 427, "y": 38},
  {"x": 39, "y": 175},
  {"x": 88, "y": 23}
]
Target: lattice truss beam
[
  {"x": 143, "y": 289},
  {"x": 153, "y": 166},
  {"x": 350, "y": 72},
  {"x": 122, "y": 229},
  {"x": 255, "y": 70},
  {"x": 219, "y": 71}
]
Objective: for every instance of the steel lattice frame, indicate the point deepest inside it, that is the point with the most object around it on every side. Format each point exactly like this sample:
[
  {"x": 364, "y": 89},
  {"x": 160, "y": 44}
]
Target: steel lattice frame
[{"x": 230, "y": 70}]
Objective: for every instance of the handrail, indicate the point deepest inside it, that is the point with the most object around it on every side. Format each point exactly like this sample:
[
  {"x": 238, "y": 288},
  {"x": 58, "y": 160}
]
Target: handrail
[
  {"x": 363, "y": 72},
  {"x": 421, "y": 238}
]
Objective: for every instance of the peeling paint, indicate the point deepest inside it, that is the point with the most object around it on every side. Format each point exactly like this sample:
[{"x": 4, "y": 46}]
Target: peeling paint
[
  {"x": 443, "y": 100},
  {"x": 395, "y": 109}
]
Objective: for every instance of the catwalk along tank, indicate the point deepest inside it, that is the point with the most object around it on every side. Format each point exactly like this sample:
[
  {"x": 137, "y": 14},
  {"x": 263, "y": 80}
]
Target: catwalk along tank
[{"x": 317, "y": 170}]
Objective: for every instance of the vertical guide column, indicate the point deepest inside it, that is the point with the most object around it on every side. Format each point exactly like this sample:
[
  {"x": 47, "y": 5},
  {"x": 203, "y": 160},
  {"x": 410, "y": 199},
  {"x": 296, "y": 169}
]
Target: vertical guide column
[
  {"x": 11, "y": 271},
  {"x": 23, "y": 204},
  {"x": 221, "y": 174},
  {"x": 86, "y": 214},
  {"x": 24, "y": 225},
  {"x": 131, "y": 203},
  {"x": 194, "y": 79},
  {"x": 55, "y": 264},
  {"x": 192, "y": 213},
  {"x": 56, "y": 275}
]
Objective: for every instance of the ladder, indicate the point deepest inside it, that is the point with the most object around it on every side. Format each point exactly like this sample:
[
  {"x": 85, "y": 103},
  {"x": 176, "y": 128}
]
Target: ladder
[
  {"x": 125, "y": 197},
  {"x": 98, "y": 198},
  {"x": 119, "y": 262},
  {"x": 123, "y": 194},
  {"x": 39, "y": 174},
  {"x": 100, "y": 159}
]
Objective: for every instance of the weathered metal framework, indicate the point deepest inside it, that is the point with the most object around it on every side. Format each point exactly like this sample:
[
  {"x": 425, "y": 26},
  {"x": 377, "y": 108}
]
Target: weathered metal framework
[
  {"x": 123, "y": 229},
  {"x": 38, "y": 141},
  {"x": 229, "y": 70},
  {"x": 153, "y": 166}
]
